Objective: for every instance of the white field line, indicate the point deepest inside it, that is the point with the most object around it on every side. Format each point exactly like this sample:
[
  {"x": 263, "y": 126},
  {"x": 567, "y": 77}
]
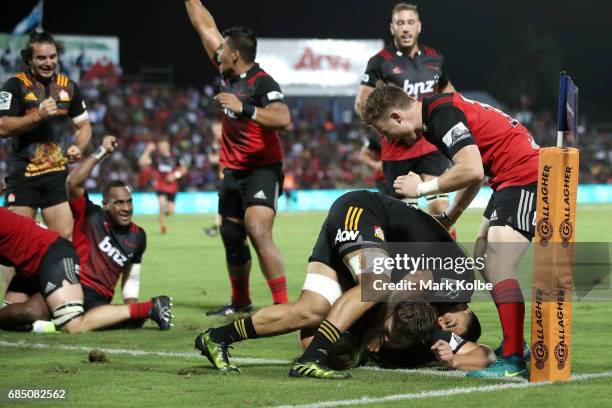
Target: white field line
[
  {"x": 25, "y": 344},
  {"x": 245, "y": 361},
  {"x": 440, "y": 393},
  {"x": 257, "y": 361}
]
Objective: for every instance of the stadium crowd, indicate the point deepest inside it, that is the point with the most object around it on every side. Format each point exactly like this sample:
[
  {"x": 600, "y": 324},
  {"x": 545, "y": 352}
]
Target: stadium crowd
[{"x": 321, "y": 146}]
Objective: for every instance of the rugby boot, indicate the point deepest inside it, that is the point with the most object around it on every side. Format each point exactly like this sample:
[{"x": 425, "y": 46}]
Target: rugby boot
[
  {"x": 316, "y": 369},
  {"x": 511, "y": 366},
  {"x": 216, "y": 353},
  {"x": 161, "y": 312},
  {"x": 230, "y": 309},
  {"x": 499, "y": 351}
]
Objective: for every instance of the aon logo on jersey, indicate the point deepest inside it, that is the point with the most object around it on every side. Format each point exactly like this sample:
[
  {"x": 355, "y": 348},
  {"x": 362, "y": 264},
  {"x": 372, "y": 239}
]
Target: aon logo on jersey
[
  {"x": 343, "y": 236},
  {"x": 419, "y": 88},
  {"x": 112, "y": 252}
]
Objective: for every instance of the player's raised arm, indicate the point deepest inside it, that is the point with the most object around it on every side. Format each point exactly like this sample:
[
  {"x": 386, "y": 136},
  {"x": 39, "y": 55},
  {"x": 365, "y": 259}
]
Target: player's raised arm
[
  {"x": 78, "y": 176},
  {"x": 362, "y": 96},
  {"x": 205, "y": 25}
]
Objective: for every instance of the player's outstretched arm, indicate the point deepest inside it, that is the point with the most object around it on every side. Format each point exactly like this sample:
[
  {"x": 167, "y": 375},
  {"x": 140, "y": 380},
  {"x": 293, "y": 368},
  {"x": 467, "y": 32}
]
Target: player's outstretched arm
[
  {"x": 205, "y": 25},
  {"x": 78, "y": 176}
]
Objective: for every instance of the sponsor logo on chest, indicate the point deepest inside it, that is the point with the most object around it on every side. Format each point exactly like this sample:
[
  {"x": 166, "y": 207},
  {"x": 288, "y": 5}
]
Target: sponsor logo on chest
[
  {"x": 343, "y": 236},
  {"x": 115, "y": 254}
]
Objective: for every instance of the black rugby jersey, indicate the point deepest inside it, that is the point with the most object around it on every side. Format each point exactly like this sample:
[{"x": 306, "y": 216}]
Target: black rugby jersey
[
  {"x": 421, "y": 76},
  {"x": 40, "y": 150}
]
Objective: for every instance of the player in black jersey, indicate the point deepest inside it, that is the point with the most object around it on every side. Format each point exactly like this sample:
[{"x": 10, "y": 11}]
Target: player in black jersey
[
  {"x": 38, "y": 108},
  {"x": 420, "y": 71},
  {"x": 251, "y": 156},
  {"x": 359, "y": 226}
]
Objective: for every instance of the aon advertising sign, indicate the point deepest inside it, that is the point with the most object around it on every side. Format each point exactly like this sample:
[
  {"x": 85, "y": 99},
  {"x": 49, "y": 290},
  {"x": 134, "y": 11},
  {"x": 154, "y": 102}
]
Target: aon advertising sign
[{"x": 305, "y": 67}]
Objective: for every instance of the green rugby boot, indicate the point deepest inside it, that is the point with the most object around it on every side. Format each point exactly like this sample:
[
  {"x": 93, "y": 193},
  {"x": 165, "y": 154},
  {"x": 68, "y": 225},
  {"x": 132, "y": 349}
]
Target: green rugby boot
[
  {"x": 216, "y": 353},
  {"x": 315, "y": 369}
]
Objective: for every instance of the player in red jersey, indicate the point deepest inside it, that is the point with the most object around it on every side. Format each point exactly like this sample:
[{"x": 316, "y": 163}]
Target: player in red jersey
[
  {"x": 421, "y": 72},
  {"x": 110, "y": 246},
  {"x": 480, "y": 140},
  {"x": 251, "y": 156},
  {"x": 168, "y": 169}
]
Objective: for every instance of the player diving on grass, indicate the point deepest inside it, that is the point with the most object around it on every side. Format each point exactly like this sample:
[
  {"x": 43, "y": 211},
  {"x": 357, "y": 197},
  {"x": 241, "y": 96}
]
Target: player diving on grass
[
  {"x": 480, "y": 140},
  {"x": 109, "y": 246},
  {"x": 357, "y": 228}
]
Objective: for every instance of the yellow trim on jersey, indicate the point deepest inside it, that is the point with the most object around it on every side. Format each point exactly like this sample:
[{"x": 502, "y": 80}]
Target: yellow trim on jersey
[
  {"x": 356, "y": 226},
  {"x": 346, "y": 219},
  {"x": 24, "y": 78}
]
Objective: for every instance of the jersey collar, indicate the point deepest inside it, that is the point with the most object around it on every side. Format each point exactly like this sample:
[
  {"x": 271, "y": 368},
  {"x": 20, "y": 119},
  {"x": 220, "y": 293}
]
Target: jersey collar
[
  {"x": 394, "y": 50},
  {"x": 250, "y": 71}
]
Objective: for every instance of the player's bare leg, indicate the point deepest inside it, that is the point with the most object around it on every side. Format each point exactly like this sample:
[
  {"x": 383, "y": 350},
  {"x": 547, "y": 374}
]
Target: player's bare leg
[
  {"x": 7, "y": 271},
  {"x": 170, "y": 208},
  {"x": 503, "y": 250},
  {"x": 163, "y": 208},
  {"x": 59, "y": 218},
  {"x": 308, "y": 312},
  {"x": 259, "y": 221}
]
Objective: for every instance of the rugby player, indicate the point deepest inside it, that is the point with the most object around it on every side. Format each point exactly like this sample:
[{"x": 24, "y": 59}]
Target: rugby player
[
  {"x": 370, "y": 156},
  {"x": 35, "y": 106},
  {"x": 168, "y": 169},
  {"x": 480, "y": 140},
  {"x": 420, "y": 71},
  {"x": 357, "y": 227},
  {"x": 251, "y": 156},
  {"x": 110, "y": 246}
]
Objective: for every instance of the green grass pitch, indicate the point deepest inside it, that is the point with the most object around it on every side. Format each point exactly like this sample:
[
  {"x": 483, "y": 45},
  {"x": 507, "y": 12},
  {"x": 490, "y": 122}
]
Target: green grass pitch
[{"x": 150, "y": 368}]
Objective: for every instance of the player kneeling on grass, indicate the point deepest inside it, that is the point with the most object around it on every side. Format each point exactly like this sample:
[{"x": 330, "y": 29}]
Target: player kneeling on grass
[
  {"x": 109, "y": 246},
  {"x": 356, "y": 228}
]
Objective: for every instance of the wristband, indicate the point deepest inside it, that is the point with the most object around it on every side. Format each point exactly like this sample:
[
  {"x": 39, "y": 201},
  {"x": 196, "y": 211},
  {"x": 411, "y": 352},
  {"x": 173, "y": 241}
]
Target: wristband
[
  {"x": 99, "y": 153},
  {"x": 248, "y": 111},
  {"x": 428, "y": 187}
]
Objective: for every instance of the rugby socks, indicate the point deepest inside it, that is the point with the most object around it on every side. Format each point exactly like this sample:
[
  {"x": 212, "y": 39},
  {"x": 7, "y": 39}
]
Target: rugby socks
[
  {"x": 324, "y": 340},
  {"x": 511, "y": 309},
  {"x": 237, "y": 331},
  {"x": 140, "y": 310},
  {"x": 240, "y": 290},
  {"x": 278, "y": 287}
]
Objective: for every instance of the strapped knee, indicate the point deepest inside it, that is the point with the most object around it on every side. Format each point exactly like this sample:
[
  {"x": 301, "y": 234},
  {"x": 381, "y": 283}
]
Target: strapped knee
[
  {"x": 234, "y": 237},
  {"x": 66, "y": 312}
]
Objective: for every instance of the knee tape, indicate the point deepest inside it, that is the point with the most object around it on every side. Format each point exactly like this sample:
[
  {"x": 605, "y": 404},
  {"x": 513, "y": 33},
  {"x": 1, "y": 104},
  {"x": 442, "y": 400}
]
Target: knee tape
[
  {"x": 234, "y": 237},
  {"x": 66, "y": 312}
]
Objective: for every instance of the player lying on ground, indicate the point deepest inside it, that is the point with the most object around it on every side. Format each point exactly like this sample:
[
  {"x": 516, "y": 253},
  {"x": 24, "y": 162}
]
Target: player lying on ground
[
  {"x": 368, "y": 340},
  {"x": 109, "y": 246},
  {"x": 480, "y": 140},
  {"x": 357, "y": 226}
]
